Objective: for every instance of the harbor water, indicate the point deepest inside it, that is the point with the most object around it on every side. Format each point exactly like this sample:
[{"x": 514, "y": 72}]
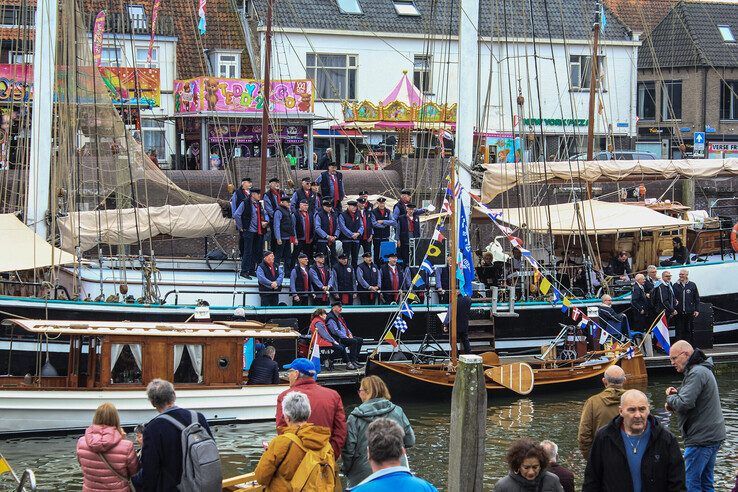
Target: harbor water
[{"x": 553, "y": 416}]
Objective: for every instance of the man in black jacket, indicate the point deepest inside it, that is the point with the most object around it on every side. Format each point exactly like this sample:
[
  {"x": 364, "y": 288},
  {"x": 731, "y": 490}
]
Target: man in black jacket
[
  {"x": 634, "y": 453},
  {"x": 688, "y": 306},
  {"x": 663, "y": 296},
  {"x": 263, "y": 369}
]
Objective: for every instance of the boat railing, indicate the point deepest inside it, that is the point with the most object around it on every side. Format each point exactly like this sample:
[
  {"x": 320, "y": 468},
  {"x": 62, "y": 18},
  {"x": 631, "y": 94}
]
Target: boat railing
[
  {"x": 705, "y": 243},
  {"x": 28, "y": 477},
  {"x": 38, "y": 287}
]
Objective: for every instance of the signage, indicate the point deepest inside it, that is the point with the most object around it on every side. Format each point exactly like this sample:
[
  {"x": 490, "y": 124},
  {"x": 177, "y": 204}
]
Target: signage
[
  {"x": 710, "y": 129},
  {"x": 699, "y": 142},
  {"x": 507, "y": 149},
  {"x": 555, "y": 122},
  {"x": 16, "y": 83},
  {"x": 722, "y": 150},
  {"x": 246, "y": 134},
  {"x": 242, "y": 96},
  {"x": 685, "y": 129},
  {"x": 132, "y": 86},
  {"x": 622, "y": 124}
]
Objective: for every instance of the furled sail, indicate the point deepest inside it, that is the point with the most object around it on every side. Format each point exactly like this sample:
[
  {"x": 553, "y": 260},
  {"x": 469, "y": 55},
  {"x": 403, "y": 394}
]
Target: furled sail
[{"x": 23, "y": 249}]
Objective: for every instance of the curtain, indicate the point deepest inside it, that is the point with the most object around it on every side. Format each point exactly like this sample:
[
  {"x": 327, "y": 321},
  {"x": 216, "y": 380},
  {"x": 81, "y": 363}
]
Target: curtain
[
  {"x": 136, "y": 351},
  {"x": 195, "y": 352},
  {"x": 115, "y": 350},
  {"x": 178, "y": 351}
]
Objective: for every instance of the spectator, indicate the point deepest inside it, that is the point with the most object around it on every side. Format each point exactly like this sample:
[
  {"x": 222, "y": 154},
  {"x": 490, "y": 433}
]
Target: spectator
[
  {"x": 325, "y": 404},
  {"x": 300, "y": 281},
  {"x": 283, "y": 227},
  {"x": 326, "y": 231},
  {"x": 321, "y": 278},
  {"x": 108, "y": 460},
  {"x": 601, "y": 408},
  {"x": 344, "y": 280},
  {"x": 619, "y": 266},
  {"x": 697, "y": 405},
  {"x": 340, "y": 331},
  {"x": 375, "y": 404},
  {"x": 566, "y": 476},
  {"x": 687, "y": 306},
  {"x": 278, "y": 466},
  {"x": 679, "y": 254},
  {"x": 528, "y": 463},
  {"x": 393, "y": 280},
  {"x": 367, "y": 279},
  {"x": 385, "y": 451},
  {"x": 634, "y": 452},
  {"x": 325, "y": 339},
  {"x": 615, "y": 323},
  {"x": 263, "y": 369},
  {"x": 331, "y": 186}
]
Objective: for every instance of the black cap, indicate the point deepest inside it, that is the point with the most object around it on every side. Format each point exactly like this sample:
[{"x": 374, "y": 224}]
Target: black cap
[
  {"x": 267, "y": 253},
  {"x": 406, "y": 192},
  {"x": 255, "y": 190},
  {"x": 313, "y": 183},
  {"x": 304, "y": 201},
  {"x": 274, "y": 180},
  {"x": 366, "y": 254},
  {"x": 342, "y": 256},
  {"x": 332, "y": 163},
  {"x": 363, "y": 192},
  {"x": 246, "y": 179},
  {"x": 302, "y": 255},
  {"x": 381, "y": 199},
  {"x": 410, "y": 205},
  {"x": 305, "y": 179},
  {"x": 336, "y": 303},
  {"x": 284, "y": 198},
  {"x": 361, "y": 200},
  {"x": 391, "y": 255},
  {"x": 327, "y": 202},
  {"x": 319, "y": 255},
  {"x": 351, "y": 202}
]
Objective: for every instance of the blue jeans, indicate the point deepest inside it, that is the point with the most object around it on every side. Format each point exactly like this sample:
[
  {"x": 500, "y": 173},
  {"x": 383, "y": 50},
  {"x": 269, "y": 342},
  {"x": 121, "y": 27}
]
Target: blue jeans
[{"x": 700, "y": 464}]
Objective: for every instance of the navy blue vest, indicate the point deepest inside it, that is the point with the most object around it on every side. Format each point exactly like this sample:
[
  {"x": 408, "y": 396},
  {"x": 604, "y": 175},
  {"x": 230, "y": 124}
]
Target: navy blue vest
[
  {"x": 300, "y": 228},
  {"x": 300, "y": 280},
  {"x": 344, "y": 277},
  {"x": 351, "y": 225},
  {"x": 404, "y": 230},
  {"x": 384, "y": 214},
  {"x": 325, "y": 223},
  {"x": 268, "y": 274},
  {"x": 370, "y": 273},
  {"x": 285, "y": 225},
  {"x": 325, "y": 187}
]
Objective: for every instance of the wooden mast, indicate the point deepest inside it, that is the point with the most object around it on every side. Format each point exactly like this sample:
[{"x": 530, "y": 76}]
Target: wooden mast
[
  {"x": 265, "y": 92},
  {"x": 592, "y": 91},
  {"x": 452, "y": 245}
]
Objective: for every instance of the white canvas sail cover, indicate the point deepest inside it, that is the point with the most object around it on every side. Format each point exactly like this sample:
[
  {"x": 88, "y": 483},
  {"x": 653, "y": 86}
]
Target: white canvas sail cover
[
  {"x": 119, "y": 226},
  {"x": 499, "y": 178},
  {"x": 23, "y": 249},
  {"x": 590, "y": 217}
]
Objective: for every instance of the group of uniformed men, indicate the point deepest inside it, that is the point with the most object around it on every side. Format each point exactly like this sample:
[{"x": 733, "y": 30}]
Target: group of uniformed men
[{"x": 302, "y": 231}]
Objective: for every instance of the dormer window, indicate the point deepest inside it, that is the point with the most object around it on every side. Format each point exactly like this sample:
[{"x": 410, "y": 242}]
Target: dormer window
[
  {"x": 137, "y": 16},
  {"x": 405, "y": 7},
  {"x": 349, "y": 6},
  {"x": 727, "y": 34}
]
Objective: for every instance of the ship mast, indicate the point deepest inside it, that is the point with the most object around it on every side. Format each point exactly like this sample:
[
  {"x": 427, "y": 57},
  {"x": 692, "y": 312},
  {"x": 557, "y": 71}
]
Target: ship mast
[
  {"x": 265, "y": 92},
  {"x": 453, "y": 251},
  {"x": 594, "y": 65}
]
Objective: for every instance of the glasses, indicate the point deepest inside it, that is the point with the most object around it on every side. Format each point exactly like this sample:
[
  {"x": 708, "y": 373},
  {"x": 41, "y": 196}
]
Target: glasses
[{"x": 675, "y": 357}]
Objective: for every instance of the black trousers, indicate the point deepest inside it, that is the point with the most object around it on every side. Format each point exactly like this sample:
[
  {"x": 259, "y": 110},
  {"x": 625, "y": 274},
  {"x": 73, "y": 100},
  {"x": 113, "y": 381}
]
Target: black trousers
[
  {"x": 377, "y": 243},
  {"x": 366, "y": 246},
  {"x": 404, "y": 252},
  {"x": 269, "y": 298},
  {"x": 684, "y": 327},
  {"x": 351, "y": 249},
  {"x": 253, "y": 245},
  {"x": 302, "y": 247},
  {"x": 368, "y": 298},
  {"x": 339, "y": 352},
  {"x": 240, "y": 245},
  {"x": 328, "y": 250},
  {"x": 443, "y": 298},
  {"x": 463, "y": 338},
  {"x": 354, "y": 347},
  {"x": 283, "y": 254}
]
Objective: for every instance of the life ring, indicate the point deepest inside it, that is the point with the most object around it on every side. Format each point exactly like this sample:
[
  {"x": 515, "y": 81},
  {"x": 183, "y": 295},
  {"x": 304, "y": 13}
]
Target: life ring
[{"x": 734, "y": 237}]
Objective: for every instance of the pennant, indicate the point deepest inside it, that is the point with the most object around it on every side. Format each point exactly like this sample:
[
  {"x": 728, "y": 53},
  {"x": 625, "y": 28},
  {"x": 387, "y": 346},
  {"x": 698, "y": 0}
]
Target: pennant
[
  {"x": 390, "y": 338},
  {"x": 427, "y": 266},
  {"x": 418, "y": 281},
  {"x": 407, "y": 310},
  {"x": 545, "y": 286},
  {"x": 557, "y": 295},
  {"x": 400, "y": 324},
  {"x": 4, "y": 466},
  {"x": 98, "y": 31},
  {"x": 412, "y": 296},
  {"x": 437, "y": 236},
  {"x": 466, "y": 269},
  {"x": 154, "y": 17},
  {"x": 583, "y": 323},
  {"x": 603, "y": 336},
  {"x": 661, "y": 332},
  {"x": 202, "y": 23},
  {"x": 566, "y": 304}
]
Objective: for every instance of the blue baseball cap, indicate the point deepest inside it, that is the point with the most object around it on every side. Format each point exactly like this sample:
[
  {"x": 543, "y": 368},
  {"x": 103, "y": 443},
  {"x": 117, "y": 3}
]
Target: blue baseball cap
[{"x": 302, "y": 366}]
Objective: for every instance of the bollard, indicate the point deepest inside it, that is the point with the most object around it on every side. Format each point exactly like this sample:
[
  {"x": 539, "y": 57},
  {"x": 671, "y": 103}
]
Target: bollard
[{"x": 468, "y": 418}]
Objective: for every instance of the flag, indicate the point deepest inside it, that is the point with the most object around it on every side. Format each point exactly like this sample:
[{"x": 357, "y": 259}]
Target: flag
[
  {"x": 557, "y": 295},
  {"x": 427, "y": 266},
  {"x": 465, "y": 274},
  {"x": 412, "y": 296},
  {"x": 446, "y": 208},
  {"x": 583, "y": 323},
  {"x": 565, "y": 305},
  {"x": 390, "y": 338},
  {"x": 476, "y": 198},
  {"x": 315, "y": 355},
  {"x": 437, "y": 236},
  {"x": 455, "y": 191},
  {"x": 603, "y": 336},
  {"x": 418, "y": 280},
  {"x": 603, "y": 19},
  {"x": 545, "y": 286},
  {"x": 630, "y": 353},
  {"x": 202, "y": 23},
  {"x": 516, "y": 241},
  {"x": 576, "y": 313},
  {"x": 407, "y": 310},
  {"x": 98, "y": 31},
  {"x": 400, "y": 325},
  {"x": 4, "y": 466},
  {"x": 661, "y": 332},
  {"x": 154, "y": 17}
]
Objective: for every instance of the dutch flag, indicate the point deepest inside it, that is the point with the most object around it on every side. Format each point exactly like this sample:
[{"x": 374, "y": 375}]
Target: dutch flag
[
  {"x": 315, "y": 356},
  {"x": 661, "y": 332}
]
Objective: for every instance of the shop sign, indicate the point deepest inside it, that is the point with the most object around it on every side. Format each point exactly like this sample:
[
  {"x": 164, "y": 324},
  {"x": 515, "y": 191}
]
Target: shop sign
[
  {"x": 555, "y": 122},
  {"x": 242, "y": 96},
  {"x": 507, "y": 148},
  {"x": 722, "y": 150},
  {"x": 248, "y": 134},
  {"x": 16, "y": 83}
]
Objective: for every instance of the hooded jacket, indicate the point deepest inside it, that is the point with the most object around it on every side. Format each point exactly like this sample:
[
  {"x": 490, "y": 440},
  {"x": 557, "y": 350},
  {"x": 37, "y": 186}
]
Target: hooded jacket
[
  {"x": 119, "y": 452},
  {"x": 281, "y": 459},
  {"x": 697, "y": 403},
  {"x": 662, "y": 467},
  {"x": 598, "y": 411},
  {"x": 355, "y": 462},
  {"x": 544, "y": 482}
]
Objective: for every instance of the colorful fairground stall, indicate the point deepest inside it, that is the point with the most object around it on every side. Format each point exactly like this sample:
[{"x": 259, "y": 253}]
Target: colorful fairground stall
[
  {"x": 219, "y": 120},
  {"x": 414, "y": 124}
]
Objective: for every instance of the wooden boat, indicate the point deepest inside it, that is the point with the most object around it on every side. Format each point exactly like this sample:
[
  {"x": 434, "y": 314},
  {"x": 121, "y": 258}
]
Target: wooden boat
[{"x": 204, "y": 361}]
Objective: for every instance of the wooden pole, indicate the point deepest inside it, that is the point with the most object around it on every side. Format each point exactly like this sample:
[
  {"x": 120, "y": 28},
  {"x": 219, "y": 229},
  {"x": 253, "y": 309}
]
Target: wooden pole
[
  {"x": 265, "y": 92},
  {"x": 452, "y": 244},
  {"x": 592, "y": 92},
  {"x": 468, "y": 418}
]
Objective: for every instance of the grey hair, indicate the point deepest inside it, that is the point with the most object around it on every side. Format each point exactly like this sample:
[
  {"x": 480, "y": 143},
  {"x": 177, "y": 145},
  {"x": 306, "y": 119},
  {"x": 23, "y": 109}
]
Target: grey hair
[
  {"x": 385, "y": 439},
  {"x": 614, "y": 380},
  {"x": 296, "y": 406},
  {"x": 160, "y": 393},
  {"x": 651, "y": 268},
  {"x": 270, "y": 351},
  {"x": 551, "y": 449}
]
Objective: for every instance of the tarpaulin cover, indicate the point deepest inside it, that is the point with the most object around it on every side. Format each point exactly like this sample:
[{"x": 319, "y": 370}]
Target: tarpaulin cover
[{"x": 23, "y": 249}]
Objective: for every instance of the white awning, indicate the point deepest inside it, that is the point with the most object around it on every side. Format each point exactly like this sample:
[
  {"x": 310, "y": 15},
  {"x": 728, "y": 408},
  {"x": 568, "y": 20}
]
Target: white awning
[
  {"x": 591, "y": 217},
  {"x": 23, "y": 249}
]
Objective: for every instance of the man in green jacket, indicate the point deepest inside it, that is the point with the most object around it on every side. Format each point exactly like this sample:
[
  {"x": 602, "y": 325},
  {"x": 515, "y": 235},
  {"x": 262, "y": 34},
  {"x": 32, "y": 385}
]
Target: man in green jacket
[{"x": 601, "y": 408}]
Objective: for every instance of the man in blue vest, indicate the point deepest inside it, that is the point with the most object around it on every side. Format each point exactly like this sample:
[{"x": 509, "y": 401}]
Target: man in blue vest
[
  {"x": 382, "y": 227},
  {"x": 251, "y": 222},
  {"x": 392, "y": 280},
  {"x": 338, "y": 327},
  {"x": 321, "y": 279},
  {"x": 284, "y": 233},
  {"x": 331, "y": 186},
  {"x": 326, "y": 231},
  {"x": 302, "y": 193},
  {"x": 241, "y": 194},
  {"x": 408, "y": 226},
  {"x": 300, "y": 281},
  {"x": 272, "y": 198},
  {"x": 687, "y": 306},
  {"x": 304, "y": 231},
  {"x": 401, "y": 205},
  {"x": 364, "y": 195},
  {"x": 365, "y": 240},
  {"x": 351, "y": 228},
  {"x": 344, "y": 280},
  {"x": 367, "y": 280},
  {"x": 270, "y": 278}
]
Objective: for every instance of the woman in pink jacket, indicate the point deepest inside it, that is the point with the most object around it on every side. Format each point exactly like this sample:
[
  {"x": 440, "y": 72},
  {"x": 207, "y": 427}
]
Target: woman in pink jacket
[{"x": 104, "y": 441}]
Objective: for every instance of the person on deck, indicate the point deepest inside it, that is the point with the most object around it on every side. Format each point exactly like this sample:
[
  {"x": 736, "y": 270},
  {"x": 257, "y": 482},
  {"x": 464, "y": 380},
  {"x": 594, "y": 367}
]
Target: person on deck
[
  {"x": 303, "y": 193},
  {"x": 325, "y": 160},
  {"x": 284, "y": 233},
  {"x": 272, "y": 197},
  {"x": 326, "y": 231},
  {"x": 642, "y": 312},
  {"x": 344, "y": 280},
  {"x": 463, "y": 310},
  {"x": 383, "y": 226},
  {"x": 331, "y": 186},
  {"x": 252, "y": 223},
  {"x": 679, "y": 255},
  {"x": 663, "y": 296},
  {"x": 619, "y": 266},
  {"x": 408, "y": 226},
  {"x": 368, "y": 280},
  {"x": 304, "y": 231},
  {"x": 318, "y": 324},
  {"x": 364, "y": 195},
  {"x": 443, "y": 280},
  {"x": 614, "y": 323},
  {"x": 270, "y": 278},
  {"x": 300, "y": 282},
  {"x": 321, "y": 279},
  {"x": 400, "y": 208},
  {"x": 364, "y": 210},
  {"x": 688, "y": 306},
  {"x": 263, "y": 369},
  {"x": 351, "y": 230},
  {"x": 239, "y": 196},
  {"x": 338, "y": 327},
  {"x": 392, "y": 280}
]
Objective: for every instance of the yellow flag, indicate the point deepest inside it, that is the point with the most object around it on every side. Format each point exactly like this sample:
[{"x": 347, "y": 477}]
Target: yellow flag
[
  {"x": 412, "y": 296},
  {"x": 567, "y": 301},
  {"x": 390, "y": 338},
  {"x": 545, "y": 286},
  {"x": 4, "y": 466}
]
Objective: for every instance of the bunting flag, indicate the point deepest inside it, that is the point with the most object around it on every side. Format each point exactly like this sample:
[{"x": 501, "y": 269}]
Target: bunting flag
[
  {"x": 630, "y": 353},
  {"x": 516, "y": 241},
  {"x": 437, "y": 236},
  {"x": 315, "y": 355},
  {"x": 154, "y": 17},
  {"x": 583, "y": 323},
  {"x": 455, "y": 192},
  {"x": 418, "y": 281},
  {"x": 390, "y": 338},
  {"x": 603, "y": 336},
  {"x": 407, "y": 310},
  {"x": 556, "y": 295},
  {"x": 566, "y": 304},
  {"x": 202, "y": 23},
  {"x": 465, "y": 273},
  {"x": 576, "y": 313},
  {"x": 411, "y": 296},
  {"x": 427, "y": 266},
  {"x": 446, "y": 207},
  {"x": 400, "y": 324},
  {"x": 545, "y": 286},
  {"x": 98, "y": 31}
]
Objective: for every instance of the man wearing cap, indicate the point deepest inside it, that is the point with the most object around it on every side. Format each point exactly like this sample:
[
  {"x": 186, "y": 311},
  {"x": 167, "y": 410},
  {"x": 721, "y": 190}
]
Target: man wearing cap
[
  {"x": 284, "y": 233},
  {"x": 239, "y": 195},
  {"x": 392, "y": 280},
  {"x": 326, "y": 407},
  {"x": 331, "y": 185},
  {"x": 325, "y": 160},
  {"x": 408, "y": 226},
  {"x": 365, "y": 240},
  {"x": 252, "y": 223},
  {"x": 270, "y": 278},
  {"x": 300, "y": 282},
  {"x": 304, "y": 231},
  {"x": 302, "y": 193},
  {"x": 367, "y": 280},
  {"x": 351, "y": 228},
  {"x": 326, "y": 231},
  {"x": 320, "y": 278},
  {"x": 365, "y": 195},
  {"x": 344, "y": 281},
  {"x": 316, "y": 199},
  {"x": 338, "y": 327},
  {"x": 442, "y": 280},
  {"x": 382, "y": 226},
  {"x": 272, "y": 198},
  {"x": 401, "y": 205}
]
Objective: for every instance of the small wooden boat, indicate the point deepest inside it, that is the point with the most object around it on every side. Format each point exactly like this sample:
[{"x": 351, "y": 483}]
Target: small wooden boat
[
  {"x": 242, "y": 483},
  {"x": 113, "y": 362}
]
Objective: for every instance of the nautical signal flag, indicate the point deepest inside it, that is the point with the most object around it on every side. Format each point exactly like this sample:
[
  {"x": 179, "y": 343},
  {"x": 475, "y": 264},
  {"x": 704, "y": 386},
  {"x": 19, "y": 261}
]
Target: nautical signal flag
[
  {"x": 400, "y": 325},
  {"x": 545, "y": 286},
  {"x": 407, "y": 310},
  {"x": 418, "y": 280},
  {"x": 576, "y": 313},
  {"x": 437, "y": 236},
  {"x": 411, "y": 296},
  {"x": 427, "y": 266},
  {"x": 603, "y": 336},
  {"x": 566, "y": 304},
  {"x": 4, "y": 466},
  {"x": 390, "y": 338},
  {"x": 661, "y": 332}
]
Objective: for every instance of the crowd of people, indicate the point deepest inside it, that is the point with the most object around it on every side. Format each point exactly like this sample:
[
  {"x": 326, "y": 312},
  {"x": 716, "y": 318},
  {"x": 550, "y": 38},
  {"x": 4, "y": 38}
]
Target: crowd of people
[{"x": 626, "y": 448}]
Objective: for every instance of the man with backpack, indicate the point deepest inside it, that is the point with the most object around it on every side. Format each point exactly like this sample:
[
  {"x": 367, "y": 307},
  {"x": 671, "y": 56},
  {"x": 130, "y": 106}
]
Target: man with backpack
[{"x": 174, "y": 433}]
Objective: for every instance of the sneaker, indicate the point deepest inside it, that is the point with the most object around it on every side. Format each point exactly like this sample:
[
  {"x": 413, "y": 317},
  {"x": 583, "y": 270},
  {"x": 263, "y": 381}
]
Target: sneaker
[{"x": 351, "y": 367}]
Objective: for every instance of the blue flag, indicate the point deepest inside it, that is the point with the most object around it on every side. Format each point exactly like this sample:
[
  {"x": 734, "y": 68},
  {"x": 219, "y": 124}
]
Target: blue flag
[
  {"x": 407, "y": 310},
  {"x": 465, "y": 274}
]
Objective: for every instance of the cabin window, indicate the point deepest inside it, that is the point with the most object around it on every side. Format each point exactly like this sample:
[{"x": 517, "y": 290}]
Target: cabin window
[
  {"x": 126, "y": 363},
  {"x": 188, "y": 363},
  {"x": 334, "y": 76},
  {"x": 671, "y": 100}
]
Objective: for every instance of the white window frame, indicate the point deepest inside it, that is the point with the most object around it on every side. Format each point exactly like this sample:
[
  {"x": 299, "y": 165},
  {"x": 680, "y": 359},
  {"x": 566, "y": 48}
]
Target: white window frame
[
  {"x": 149, "y": 126},
  {"x": 422, "y": 65},
  {"x": 727, "y": 33},
  {"x": 222, "y": 67},
  {"x": 17, "y": 11},
  {"x": 584, "y": 78},
  {"x": 137, "y": 16},
  {"x": 141, "y": 61},
  {"x": 731, "y": 88},
  {"x": 406, "y": 8},
  {"x": 112, "y": 61},
  {"x": 352, "y": 7},
  {"x": 666, "y": 113},
  {"x": 20, "y": 58},
  {"x": 351, "y": 65}
]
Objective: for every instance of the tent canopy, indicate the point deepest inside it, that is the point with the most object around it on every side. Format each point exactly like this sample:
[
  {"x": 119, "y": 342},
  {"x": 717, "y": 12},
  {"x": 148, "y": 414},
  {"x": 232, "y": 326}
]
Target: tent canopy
[
  {"x": 591, "y": 217},
  {"x": 23, "y": 249}
]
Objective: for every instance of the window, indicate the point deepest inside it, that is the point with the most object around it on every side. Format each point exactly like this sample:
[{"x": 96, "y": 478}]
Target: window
[
  {"x": 137, "y": 16},
  {"x": 727, "y": 34},
  {"x": 228, "y": 65},
  {"x": 729, "y": 100},
  {"x": 125, "y": 363},
  {"x": 188, "y": 363},
  {"x": 671, "y": 100},
  {"x": 111, "y": 57},
  {"x": 142, "y": 55},
  {"x": 422, "y": 73},
  {"x": 15, "y": 15},
  {"x": 404, "y": 7},
  {"x": 580, "y": 73},
  {"x": 154, "y": 137},
  {"x": 18, "y": 58},
  {"x": 334, "y": 76},
  {"x": 647, "y": 100},
  {"x": 349, "y": 6}
]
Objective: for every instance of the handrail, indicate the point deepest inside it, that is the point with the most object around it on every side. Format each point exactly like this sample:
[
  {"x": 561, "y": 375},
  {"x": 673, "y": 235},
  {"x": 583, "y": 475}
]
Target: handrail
[{"x": 30, "y": 477}]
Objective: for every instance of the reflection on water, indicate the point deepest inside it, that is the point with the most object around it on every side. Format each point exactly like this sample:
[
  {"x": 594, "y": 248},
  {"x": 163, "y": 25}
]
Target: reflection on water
[{"x": 548, "y": 416}]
